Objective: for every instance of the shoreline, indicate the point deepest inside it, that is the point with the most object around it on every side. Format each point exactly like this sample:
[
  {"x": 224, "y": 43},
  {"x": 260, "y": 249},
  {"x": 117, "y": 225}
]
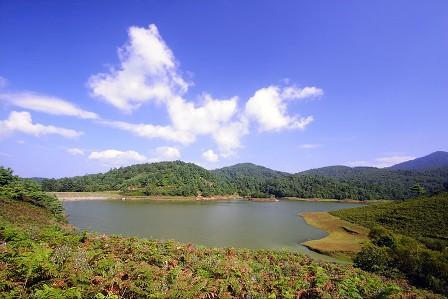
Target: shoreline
[
  {"x": 344, "y": 239},
  {"x": 115, "y": 195}
]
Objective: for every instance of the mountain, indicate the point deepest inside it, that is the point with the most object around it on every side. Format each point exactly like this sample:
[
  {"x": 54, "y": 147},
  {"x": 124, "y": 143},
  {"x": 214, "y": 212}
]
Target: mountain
[
  {"x": 435, "y": 160},
  {"x": 247, "y": 179}
]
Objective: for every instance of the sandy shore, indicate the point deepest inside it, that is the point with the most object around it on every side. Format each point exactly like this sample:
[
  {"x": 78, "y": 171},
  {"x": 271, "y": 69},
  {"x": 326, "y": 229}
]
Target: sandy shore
[
  {"x": 115, "y": 195},
  {"x": 344, "y": 239},
  {"x": 107, "y": 195}
]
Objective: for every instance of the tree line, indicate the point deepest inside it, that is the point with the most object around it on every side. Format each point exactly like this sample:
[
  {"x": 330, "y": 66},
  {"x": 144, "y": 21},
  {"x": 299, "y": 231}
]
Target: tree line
[{"x": 248, "y": 180}]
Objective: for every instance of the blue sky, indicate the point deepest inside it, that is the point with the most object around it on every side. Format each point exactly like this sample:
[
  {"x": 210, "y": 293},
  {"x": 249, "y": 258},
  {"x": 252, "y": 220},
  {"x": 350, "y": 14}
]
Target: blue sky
[{"x": 291, "y": 85}]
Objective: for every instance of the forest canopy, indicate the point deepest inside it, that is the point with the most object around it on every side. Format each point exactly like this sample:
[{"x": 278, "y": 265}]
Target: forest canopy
[{"x": 187, "y": 179}]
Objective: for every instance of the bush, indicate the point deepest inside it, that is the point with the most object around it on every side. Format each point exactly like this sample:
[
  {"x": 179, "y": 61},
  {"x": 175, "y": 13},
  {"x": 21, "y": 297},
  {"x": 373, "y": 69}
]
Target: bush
[{"x": 390, "y": 254}]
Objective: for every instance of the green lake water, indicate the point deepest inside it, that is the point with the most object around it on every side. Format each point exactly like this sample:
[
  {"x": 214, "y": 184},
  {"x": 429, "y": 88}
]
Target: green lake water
[{"x": 244, "y": 224}]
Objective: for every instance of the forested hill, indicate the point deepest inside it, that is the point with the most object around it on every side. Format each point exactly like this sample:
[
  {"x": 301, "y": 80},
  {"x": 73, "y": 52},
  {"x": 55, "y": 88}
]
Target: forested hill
[
  {"x": 187, "y": 179},
  {"x": 163, "y": 178},
  {"x": 249, "y": 170}
]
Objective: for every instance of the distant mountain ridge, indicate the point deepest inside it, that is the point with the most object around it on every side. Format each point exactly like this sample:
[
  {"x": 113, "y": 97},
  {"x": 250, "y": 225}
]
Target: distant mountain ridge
[
  {"x": 434, "y": 160},
  {"x": 246, "y": 179}
]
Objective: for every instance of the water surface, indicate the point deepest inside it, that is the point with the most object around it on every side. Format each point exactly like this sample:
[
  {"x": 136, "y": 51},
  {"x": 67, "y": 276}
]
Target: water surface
[{"x": 245, "y": 224}]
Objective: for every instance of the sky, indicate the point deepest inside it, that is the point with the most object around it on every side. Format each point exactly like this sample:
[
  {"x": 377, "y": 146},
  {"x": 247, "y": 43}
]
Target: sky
[{"x": 86, "y": 86}]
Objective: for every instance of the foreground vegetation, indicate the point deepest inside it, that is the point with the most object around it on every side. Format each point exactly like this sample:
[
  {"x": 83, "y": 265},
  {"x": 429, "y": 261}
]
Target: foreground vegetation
[
  {"x": 408, "y": 238},
  {"x": 249, "y": 180},
  {"x": 42, "y": 257}
]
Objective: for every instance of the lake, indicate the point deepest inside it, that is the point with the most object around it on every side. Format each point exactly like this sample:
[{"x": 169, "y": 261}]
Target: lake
[{"x": 244, "y": 224}]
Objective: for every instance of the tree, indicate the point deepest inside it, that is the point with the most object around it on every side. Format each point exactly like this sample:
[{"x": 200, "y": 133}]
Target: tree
[
  {"x": 417, "y": 190},
  {"x": 6, "y": 176}
]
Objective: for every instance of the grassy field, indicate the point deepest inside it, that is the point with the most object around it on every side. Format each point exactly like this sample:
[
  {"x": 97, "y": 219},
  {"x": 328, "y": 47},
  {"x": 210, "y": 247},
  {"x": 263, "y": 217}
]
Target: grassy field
[
  {"x": 344, "y": 239},
  {"x": 41, "y": 257},
  {"x": 425, "y": 219}
]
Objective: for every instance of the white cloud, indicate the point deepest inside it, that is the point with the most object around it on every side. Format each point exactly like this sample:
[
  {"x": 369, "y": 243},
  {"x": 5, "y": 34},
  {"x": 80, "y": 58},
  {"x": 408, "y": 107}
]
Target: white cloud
[
  {"x": 292, "y": 92},
  {"x": 210, "y": 156},
  {"x": 310, "y": 145},
  {"x": 167, "y": 153},
  {"x": 21, "y": 122},
  {"x": 148, "y": 71},
  {"x": 75, "y": 151},
  {"x": 153, "y": 131},
  {"x": 204, "y": 119},
  {"x": 47, "y": 104},
  {"x": 381, "y": 162},
  {"x": 268, "y": 108},
  {"x": 117, "y": 158},
  {"x": 188, "y": 121},
  {"x": 228, "y": 137}
]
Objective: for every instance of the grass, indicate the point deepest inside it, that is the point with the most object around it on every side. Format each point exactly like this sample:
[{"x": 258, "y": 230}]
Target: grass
[
  {"x": 425, "y": 219},
  {"x": 41, "y": 257},
  {"x": 344, "y": 239}
]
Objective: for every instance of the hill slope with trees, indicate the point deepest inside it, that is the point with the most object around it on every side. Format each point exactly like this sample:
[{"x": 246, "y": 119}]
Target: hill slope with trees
[
  {"x": 408, "y": 238},
  {"x": 186, "y": 179}
]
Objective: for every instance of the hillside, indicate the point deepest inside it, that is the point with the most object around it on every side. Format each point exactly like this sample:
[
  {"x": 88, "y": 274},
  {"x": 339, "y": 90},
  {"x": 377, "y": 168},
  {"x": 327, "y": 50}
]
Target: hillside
[
  {"x": 187, "y": 179},
  {"x": 249, "y": 179},
  {"x": 434, "y": 160},
  {"x": 163, "y": 178},
  {"x": 425, "y": 219},
  {"x": 408, "y": 238},
  {"x": 249, "y": 170},
  {"x": 42, "y": 257}
]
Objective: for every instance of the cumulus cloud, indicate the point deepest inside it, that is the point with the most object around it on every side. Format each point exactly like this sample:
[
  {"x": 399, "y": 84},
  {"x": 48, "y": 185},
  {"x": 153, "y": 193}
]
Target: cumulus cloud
[
  {"x": 153, "y": 131},
  {"x": 22, "y": 122},
  {"x": 202, "y": 119},
  {"x": 47, "y": 104},
  {"x": 117, "y": 158},
  {"x": 228, "y": 137},
  {"x": 210, "y": 156},
  {"x": 268, "y": 108},
  {"x": 75, "y": 151},
  {"x": 147, "y": 71},
  {"x": 166, "y": 153},
  {"x": 381, "y": 162},
  {"x": 188, "y": 121}
]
